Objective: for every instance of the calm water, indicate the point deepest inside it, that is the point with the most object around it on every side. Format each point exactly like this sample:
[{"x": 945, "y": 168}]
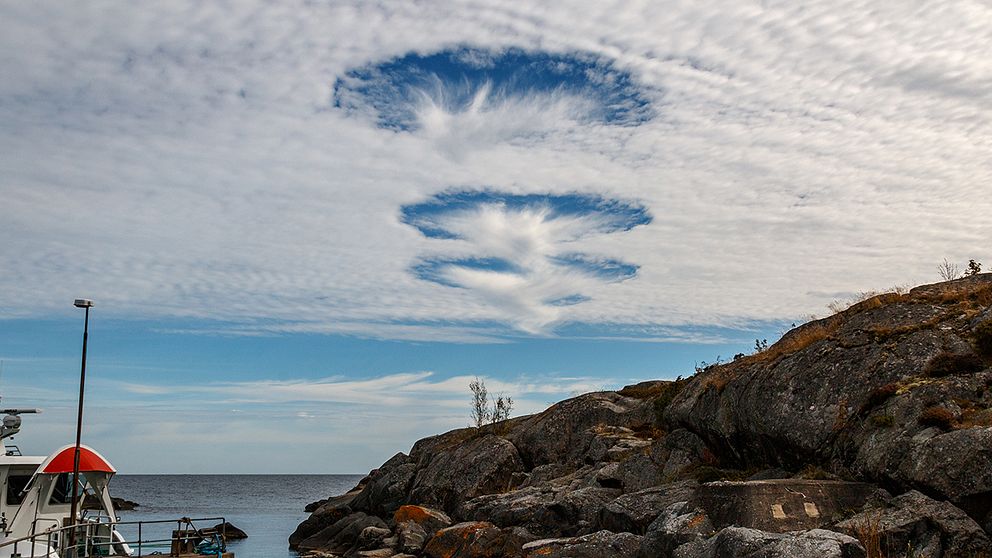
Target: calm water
[{"x": 267, "y": 507}]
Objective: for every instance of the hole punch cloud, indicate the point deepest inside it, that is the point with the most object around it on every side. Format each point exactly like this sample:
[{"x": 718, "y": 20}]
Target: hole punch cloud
[
  {"x": 425, "y": 91},
  {"x": 519, "y": 251}
]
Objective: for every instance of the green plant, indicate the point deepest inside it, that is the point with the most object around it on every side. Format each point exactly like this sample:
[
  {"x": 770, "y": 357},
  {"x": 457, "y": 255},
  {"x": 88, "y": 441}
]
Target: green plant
[
  {"x": 947, "y": 364},
  {"x": 937, "y": 416},
  {"x": 974, "y": 268}
]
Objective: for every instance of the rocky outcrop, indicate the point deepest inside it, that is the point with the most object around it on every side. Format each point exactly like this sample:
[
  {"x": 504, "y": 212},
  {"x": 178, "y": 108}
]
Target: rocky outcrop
[
  {"x": 740, "y": 542},
  {"x": 915, "y": 521},
  {"x": 792, "y": 451},
  {"x": 602, "y": 544},
  {"x": 476, "y": 467},
  {"x": 342, "y": 536}
]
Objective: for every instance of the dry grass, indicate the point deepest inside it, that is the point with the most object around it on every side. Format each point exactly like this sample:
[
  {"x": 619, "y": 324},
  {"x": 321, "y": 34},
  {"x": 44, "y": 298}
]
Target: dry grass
[
  {"x": 878, "y": 396},
  {"x": 972, "y": 293},
  {"x": 947, "y": 364},
  {"x": 937, "y": 416},
  {"x": 866, "y": 300},
  {"x": 797, "y": 340},
  {"x": 645, "y": 390},
  {"x": 973, "y": 415},
  {"x": 868, "y": 531}
]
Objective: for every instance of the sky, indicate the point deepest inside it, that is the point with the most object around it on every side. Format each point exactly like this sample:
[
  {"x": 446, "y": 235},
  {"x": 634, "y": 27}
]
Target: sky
[{"x": 307, "y": 226}]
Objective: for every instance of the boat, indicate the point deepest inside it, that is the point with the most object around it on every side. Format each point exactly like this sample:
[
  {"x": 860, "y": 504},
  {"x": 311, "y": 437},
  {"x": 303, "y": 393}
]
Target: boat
[{"x": 36, "y": 506}]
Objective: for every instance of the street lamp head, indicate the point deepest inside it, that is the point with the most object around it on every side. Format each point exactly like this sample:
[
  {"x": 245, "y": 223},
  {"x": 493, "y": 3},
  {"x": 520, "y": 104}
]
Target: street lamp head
[{"x": 82, "y": 303}]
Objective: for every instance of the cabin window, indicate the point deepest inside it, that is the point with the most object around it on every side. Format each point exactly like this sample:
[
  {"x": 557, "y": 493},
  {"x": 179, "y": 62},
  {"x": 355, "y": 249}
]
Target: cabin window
[
  {"x": 15, "y": 486},
  {"x": 61, "y": 493}
]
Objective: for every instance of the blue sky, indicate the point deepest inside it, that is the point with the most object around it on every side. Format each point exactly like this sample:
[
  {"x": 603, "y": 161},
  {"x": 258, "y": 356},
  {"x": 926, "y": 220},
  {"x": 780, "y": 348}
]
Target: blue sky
[{"x": 308, "y": 225}]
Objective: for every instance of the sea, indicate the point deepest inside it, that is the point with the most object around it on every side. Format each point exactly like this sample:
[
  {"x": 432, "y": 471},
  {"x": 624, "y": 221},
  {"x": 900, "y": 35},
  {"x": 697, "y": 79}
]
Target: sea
[{"x": 266, "y": 507}]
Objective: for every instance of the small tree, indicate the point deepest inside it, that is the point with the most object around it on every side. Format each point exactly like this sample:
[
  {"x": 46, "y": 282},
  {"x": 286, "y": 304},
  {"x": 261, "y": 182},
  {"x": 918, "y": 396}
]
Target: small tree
[
  {"x": 760, "y": 345},
  {"x": 974, "y": 268},
  {"x": 480, "y": 402},
  {"x": 949, "y": 271},
  {"x": 501, "y": 408},
  {"x": 482, "y": 413}
]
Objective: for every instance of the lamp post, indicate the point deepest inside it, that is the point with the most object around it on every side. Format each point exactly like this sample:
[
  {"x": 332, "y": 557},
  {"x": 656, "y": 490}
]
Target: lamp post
[{"x": 87, "y": 304}]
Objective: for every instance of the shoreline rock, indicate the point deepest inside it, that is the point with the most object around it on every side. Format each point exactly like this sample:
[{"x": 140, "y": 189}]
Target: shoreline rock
[{"x": 892, "y": 396}]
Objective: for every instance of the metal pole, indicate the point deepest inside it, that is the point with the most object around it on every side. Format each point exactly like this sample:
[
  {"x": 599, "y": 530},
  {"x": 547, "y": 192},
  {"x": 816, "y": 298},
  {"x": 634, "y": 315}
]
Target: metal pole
[{"x": 79, "y": 428}]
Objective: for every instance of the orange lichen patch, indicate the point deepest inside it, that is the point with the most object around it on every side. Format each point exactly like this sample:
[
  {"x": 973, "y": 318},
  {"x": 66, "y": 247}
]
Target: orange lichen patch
[
  {"x": 415, "y": 514},
  {"x": 696, "y": 520}
]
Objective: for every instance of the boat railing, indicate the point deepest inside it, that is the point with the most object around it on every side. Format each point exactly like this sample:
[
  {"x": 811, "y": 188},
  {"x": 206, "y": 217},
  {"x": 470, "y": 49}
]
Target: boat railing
[{"x": 95, "y": 538}]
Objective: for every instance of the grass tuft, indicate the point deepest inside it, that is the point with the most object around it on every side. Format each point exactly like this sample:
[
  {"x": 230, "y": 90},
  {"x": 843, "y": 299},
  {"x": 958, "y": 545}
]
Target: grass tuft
[
  {"x": 937, "y": 416},
  {"x": 948, "y": 364}
]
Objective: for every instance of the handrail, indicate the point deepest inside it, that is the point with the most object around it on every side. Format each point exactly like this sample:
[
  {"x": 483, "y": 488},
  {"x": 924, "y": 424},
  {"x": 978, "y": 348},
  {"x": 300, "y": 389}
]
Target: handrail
[{"x": 140, "y": 523}]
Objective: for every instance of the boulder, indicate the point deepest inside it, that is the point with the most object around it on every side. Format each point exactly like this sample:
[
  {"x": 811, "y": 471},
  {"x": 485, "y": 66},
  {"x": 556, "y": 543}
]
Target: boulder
[
  {"x": 330, "y": 511},
  {"x": 677, "y": 525},
  {"x": 478, "y": 466},
  {"x": 371, "y": 537},
  {"x": 478, "y": 539},
  {"x": 411, "y": 537},
  {"x": 230, "y": 532},
  {"x": 633, "y": 512},
  {"x": 741, "y": 542},
  {"x": 431, "y": 520},
  {"x": 566, "y": 506},
  {"x": 343, "y": 535},
  {"x": 601, "y": 544},
  {"x": 914, "y": 520},
  {"x": 563, "y": 433},
  {"x": 387, "y": 487}
]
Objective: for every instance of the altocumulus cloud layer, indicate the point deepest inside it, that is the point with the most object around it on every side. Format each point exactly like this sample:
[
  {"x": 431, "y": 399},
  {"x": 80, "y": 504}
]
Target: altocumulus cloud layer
[{"x": 259, "y": 167}]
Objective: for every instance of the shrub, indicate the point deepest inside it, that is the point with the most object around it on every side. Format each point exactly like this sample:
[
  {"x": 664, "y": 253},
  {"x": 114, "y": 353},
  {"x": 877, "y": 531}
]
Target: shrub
[
  {"x": 883, "y": 421},
  {"x": 983, "y": 339},
  {"x": 481, "y": 413},
  {"x": 974, "y": 268},
  {"x": 937, "y": 416},
  {"x": 947, "y": 364},
  {"x": 948, "y": 271},
  {"x": 879, "y": 395},
  {"x": 868, "y": 530}
]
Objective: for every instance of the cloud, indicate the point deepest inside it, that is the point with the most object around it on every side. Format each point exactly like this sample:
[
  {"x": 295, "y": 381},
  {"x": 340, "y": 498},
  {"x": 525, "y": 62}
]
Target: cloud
[
  {"x": 520, "y": 245},
  {"x": 186, "y": 163},
  {"x": 416, "y": 90}
]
